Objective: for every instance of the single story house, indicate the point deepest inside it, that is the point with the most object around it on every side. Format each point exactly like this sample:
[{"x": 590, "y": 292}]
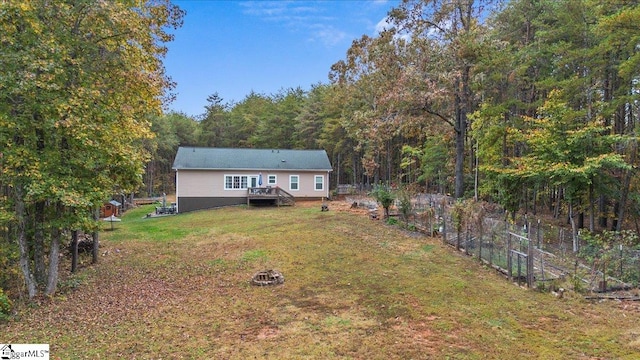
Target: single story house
[{"x": 213, "y": 177}]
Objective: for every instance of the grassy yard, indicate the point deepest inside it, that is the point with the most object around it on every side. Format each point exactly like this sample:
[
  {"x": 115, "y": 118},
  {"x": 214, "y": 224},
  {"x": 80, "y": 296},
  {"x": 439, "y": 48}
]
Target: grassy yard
[{"x": 178, "y": 288}]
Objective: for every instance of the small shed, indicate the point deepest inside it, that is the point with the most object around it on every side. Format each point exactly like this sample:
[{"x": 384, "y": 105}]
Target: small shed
[{"x": 112, "y": 208}]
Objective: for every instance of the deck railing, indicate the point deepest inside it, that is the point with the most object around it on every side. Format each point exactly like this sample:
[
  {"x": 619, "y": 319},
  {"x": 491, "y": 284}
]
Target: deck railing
[{"x": 276, "y": 194}]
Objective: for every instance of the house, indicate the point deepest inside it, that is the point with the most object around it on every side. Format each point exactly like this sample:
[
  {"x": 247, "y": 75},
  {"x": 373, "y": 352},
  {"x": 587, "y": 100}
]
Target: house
[{"x": 213, "y": 177}]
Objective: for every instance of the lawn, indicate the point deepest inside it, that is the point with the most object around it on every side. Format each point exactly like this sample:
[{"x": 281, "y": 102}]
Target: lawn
[{"x": 179, "y": 288}]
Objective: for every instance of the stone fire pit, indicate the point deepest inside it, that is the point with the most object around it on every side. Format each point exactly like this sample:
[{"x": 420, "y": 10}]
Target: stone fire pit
[{"x": 267, "y": 277}]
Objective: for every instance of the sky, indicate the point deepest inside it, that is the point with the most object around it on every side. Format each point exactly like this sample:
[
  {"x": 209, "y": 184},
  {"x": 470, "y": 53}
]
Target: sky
[{"x": 235, "y": 47}]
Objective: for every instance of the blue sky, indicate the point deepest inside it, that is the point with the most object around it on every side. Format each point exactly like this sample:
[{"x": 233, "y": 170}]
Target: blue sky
[{"x": 235, "y": 47}]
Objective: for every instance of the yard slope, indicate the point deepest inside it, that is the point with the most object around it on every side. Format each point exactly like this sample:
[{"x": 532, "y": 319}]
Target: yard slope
[{"x": 179, "y": 287}]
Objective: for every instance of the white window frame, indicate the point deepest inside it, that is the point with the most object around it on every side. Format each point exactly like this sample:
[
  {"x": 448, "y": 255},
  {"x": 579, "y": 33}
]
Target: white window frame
[
  {"x": 297, "y": 177},
  {"x": 241, "y": 185},
  {"x": 272, "y": 177},
  {"x": 315, "y": 182}
]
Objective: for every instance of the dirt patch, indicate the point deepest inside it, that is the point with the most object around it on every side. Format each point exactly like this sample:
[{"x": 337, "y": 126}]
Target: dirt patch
[{"x": 363, "y": 206}]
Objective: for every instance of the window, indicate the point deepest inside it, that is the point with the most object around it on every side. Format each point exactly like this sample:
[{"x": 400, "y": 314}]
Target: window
[
  {"x": 272, "y": 180},
  {"x": 232, "y": 182},
  {"x": 294, "y": 182},
  {"x": 319, "y": 182}
]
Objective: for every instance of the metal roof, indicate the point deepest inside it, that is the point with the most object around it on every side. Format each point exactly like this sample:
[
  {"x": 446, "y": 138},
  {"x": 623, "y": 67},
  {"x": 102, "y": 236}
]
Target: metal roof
[{"x": 196, "y": 158}]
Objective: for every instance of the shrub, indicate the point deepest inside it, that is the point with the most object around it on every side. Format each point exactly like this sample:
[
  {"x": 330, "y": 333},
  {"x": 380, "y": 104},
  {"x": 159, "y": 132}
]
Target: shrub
[
  {"x": 5, "y": 306},
  {"x": 384, "y": 197},
  {"x": 10, "y": 276}
]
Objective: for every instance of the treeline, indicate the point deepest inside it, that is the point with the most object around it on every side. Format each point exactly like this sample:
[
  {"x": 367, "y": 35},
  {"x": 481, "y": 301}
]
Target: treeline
[{"x": 530, "y": 104}]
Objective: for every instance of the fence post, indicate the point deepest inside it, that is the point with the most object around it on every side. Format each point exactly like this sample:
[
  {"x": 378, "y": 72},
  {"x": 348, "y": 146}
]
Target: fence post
[
  {"x": 466, "y": 241},
  {"x": 530, "y": 264},
  {"x": 519, "y": 268},
  {"x": 444, "y": 228},
  {"x": 509, "y": 262},
  {"x": 491, "y": 249},
  {"x": 621, "y": 261},
  {"x": 480, "y": 236},
  {"x": 430, "y": 222},
  {"x": 538, "y": 235}
]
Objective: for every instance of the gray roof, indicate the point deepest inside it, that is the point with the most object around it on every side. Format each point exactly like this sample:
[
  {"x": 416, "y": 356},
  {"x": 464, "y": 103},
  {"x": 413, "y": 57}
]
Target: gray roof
[{"x": 195, "y": 158}]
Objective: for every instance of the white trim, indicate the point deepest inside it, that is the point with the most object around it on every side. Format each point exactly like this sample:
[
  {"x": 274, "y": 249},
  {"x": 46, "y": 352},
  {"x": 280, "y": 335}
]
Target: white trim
[
  {"x": 275, "y": 179},
  {"x": 233, "y": 182},
  {"x": 315, "y": 182},
  {"x": 297, "y": 182}
]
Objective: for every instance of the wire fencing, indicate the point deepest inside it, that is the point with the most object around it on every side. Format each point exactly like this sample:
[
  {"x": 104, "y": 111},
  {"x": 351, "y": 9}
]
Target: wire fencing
[{"x": 529, "y": 252}]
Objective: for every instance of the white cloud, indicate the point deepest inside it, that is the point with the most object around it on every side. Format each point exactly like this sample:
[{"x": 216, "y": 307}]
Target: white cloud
[
  {"x": 328, "y": 35},
  {"x": 383, "y": 25},
  {"x": 289, "y": 13},
  {"x": 318, "y": 20}
]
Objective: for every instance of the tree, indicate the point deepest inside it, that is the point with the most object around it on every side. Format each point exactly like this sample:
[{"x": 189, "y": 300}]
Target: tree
[
  {"x": 450, "y": 34},
  {"x": 169, "y": 132},
  {"x": 538, "y": 48},
  {"x": 79, "y": 80},
  {"x": 214, "y": 127},
  {"x": 371, "y": 115}
]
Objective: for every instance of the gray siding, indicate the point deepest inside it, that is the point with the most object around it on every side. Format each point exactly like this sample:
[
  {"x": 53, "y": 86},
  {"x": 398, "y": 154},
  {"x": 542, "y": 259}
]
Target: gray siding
[{"x": 186, "y": 204}]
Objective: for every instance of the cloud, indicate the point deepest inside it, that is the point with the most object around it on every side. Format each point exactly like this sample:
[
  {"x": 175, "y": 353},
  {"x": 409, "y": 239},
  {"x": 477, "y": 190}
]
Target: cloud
[
  {"x": 330, "y": 23},
  {"x": 328, "y": 35},
  {"x": 289, "y": 13},
  {"x": 309, "y": 18},
  {"x": 383, "y": 25}
]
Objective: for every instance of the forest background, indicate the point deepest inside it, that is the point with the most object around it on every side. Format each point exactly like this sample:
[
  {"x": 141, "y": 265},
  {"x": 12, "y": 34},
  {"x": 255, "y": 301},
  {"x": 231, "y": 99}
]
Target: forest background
[{"x": 529, "y": 104}]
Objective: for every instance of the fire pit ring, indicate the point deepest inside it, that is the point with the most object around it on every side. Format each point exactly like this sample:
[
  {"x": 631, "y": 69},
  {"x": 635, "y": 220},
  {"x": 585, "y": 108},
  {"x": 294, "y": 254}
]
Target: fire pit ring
[{"x": 267, "y": 277}]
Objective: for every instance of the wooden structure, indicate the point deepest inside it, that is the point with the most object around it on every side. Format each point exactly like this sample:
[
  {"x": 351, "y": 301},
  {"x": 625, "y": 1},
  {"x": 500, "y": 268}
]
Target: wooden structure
[
  {"x": 112, "y": 208},
  {"x": 269, "y": 195}
]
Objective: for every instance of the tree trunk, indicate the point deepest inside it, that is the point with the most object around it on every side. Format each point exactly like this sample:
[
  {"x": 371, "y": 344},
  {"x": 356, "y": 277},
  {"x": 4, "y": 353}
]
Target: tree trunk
[
  {"x": 614, "y": 221},
  {"x": 40, "y": 268},
  {"x": 574, "y": 231},
  {"x": 95, "y": 235},
  {"x": 558, "y": 199},
  {"x": 602, "y": 208},
  {"x": 74, "y": 251},
  {"x": 23, "y": 243},
  {"x": 54, "y": 256},
  {"x": 460, "y": 127},
  {"x": 625, "y": 188},
  {"x": 592, "y": 210}
]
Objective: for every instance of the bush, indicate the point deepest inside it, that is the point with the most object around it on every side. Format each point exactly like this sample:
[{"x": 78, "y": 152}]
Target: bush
[
  {"x": 5, "y": 306},
  {"x": 384, "y": 197},
  {"x": 10, "y": 275}
]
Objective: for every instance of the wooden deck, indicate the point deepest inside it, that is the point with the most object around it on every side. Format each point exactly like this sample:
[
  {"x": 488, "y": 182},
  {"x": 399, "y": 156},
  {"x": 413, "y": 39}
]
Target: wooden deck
[{"x": 272, "y": 195}]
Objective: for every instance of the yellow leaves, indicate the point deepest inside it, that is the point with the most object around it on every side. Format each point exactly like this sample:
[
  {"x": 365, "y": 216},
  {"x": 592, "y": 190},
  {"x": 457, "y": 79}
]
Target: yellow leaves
[{"x": 25, "y": 5}]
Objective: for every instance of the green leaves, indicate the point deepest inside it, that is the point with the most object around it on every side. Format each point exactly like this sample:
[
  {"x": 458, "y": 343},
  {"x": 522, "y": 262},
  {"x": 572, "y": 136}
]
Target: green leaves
[{"x": 78, "y": 82}]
